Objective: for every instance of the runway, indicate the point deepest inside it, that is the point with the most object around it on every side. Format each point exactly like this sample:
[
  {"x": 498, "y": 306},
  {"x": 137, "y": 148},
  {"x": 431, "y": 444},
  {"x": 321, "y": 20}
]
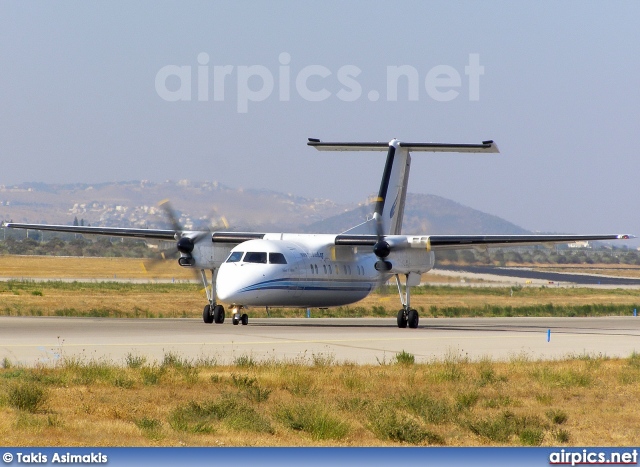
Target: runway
[
  {"x": 522, "y": 274},
  {"x": 46, "y": 340}
]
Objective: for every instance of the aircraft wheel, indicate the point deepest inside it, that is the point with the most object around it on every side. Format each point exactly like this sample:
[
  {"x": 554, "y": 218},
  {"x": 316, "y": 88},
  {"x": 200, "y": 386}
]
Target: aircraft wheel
[
  {"x": 413, "y": 319},
  {"x": 235, "y": 321},
  {"x": 245, "y": 319},
  {"x": 207, "y": 317},
  {"x": 402, "y": 319},
  {"x": 218, "y": 314}
]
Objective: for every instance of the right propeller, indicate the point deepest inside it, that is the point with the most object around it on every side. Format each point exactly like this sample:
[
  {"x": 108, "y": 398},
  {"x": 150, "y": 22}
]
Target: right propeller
[{"x": 381, "y": 249}]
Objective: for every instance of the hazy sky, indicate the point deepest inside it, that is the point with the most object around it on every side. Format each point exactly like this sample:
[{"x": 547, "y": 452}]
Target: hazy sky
[{"x": 230, "y": 91}]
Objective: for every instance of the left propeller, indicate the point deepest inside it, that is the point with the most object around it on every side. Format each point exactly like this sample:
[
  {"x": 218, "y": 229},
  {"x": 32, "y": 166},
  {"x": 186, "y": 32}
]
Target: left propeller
[{"x": 186, "y": 240}]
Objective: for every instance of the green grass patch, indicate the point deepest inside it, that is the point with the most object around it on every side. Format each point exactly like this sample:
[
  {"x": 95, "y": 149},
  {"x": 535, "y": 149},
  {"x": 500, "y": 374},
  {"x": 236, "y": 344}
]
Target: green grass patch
[
  {"x": 466, "y": 400},
  {"x": 244, "y": 361},
  {"x": 430, "y": 409},
  {"x": 150, "y": 427},
  {"x": 562, "y": 377},
  {"x": 87, "y": 372},
  {"x": 135, "y": 361},
  {"x": 314, "y": 420},
  {"x": 152, "y": 374},
  {"x": 123, "y": 381},
  {"x": 557, "y": 417},
  {"x": 387, "y": 424},
  {"x": 248, "y": 387},
  {"x": 634, "y": 360},
  {"x": 405, "y": 358},
  {"x": 27, "y": 396},
  {"x": 236, "y": 414},
  {"x": 501, "y": 428}
]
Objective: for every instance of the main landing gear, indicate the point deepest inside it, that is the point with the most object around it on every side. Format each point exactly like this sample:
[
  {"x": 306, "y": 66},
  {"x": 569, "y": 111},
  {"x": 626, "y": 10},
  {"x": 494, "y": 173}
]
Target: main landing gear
[
  {"x": 407, "y": 316},
  {"x": 212, "y": 313}
]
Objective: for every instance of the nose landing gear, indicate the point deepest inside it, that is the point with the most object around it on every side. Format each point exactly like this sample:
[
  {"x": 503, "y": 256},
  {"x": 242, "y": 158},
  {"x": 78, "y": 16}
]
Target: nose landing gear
[{"x": 239, "y": 318}]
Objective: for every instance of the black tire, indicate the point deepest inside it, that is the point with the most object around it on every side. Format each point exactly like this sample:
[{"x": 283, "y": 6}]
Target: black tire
[
  {"x": 218, "y": 314},
  {"x": 207, "y": 317},
  {"x": 402, "y": 320},
  {"x": 244, "y": 319},
  {"x": 412, "y": 319},
  {"x": 235, "y": 321}
]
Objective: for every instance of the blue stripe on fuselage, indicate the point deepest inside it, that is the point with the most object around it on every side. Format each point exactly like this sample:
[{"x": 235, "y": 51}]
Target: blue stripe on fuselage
[{"x": 298, "y": 284}]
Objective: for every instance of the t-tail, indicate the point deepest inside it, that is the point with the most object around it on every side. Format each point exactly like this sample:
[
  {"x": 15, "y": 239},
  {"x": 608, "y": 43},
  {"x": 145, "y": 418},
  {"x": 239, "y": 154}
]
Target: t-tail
[{"x": 390, "y": 202}]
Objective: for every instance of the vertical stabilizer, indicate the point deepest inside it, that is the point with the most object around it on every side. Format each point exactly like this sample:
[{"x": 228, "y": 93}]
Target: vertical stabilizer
[
  {"x": 393, "y": 189},
  {"x": 389, "y": 208}
]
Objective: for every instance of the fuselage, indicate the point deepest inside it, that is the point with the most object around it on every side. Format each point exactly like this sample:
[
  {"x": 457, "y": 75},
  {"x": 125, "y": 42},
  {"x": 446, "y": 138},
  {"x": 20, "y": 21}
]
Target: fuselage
[{"x": 300, "y": 271}]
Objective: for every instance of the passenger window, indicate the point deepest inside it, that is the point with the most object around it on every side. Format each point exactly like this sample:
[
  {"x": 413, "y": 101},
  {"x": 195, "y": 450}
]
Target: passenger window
[
  {"x": 235, "y": 257},
  {"x": 277, "y": 258},
  {"x": 325, "y": 268},
  {"x": 330, "y": 271},
  {"x": 316, "y": 266},
  {"x": 311, "y": 268},
  {"x": 255, "y": 257}
]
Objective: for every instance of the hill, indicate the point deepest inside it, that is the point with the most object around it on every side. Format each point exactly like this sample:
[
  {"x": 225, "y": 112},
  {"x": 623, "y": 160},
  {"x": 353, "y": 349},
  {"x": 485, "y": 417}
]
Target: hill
[
  {"x": 426, "y": 214},
  {"x": 134, "y": 204}
]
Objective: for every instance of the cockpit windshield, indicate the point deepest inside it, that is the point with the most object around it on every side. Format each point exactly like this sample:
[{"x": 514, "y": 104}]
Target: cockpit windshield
[
  {"x": 277, "y": 258},
  {"x": 235, "y": 257},
  {"x": 259, "y": 257},
  {"x": 256, "y": 257}
]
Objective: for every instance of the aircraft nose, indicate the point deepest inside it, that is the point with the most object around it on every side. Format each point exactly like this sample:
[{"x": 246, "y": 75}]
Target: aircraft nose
[{"x": 227, "y": 285}]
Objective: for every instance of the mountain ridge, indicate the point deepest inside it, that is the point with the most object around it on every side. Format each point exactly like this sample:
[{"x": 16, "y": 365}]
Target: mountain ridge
[{"x": 134, "y": 204}]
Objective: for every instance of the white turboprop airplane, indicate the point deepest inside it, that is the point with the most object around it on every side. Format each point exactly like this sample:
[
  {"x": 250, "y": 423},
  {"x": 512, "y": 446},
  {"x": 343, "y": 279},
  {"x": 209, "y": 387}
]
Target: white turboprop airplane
[{"x": 317, "y": 270}]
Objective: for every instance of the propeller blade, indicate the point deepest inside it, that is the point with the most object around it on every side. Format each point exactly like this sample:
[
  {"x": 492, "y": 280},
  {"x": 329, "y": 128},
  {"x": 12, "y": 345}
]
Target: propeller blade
[
  {"x": 170, "y": 213},
  {"x": 154, "y": 262}
]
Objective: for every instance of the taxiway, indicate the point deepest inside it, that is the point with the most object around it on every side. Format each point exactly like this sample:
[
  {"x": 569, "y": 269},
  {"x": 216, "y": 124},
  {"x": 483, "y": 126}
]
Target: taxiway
[{"x": 46, "y": 340}]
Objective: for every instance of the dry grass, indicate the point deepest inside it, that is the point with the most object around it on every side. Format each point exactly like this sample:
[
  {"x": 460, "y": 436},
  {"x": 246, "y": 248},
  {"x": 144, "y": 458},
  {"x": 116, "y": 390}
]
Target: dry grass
[
  {"x": 60, "y": 267},
  {"x": 184, "y": 299},
  {"x": 187, "y": 300},
  {"x": 584, "y": 401}
]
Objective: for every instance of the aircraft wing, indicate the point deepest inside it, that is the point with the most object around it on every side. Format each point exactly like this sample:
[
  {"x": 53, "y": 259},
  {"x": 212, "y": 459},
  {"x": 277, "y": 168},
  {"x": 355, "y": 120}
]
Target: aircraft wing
[
  {"x": 152, "y": 234},
  {"x": 445, "y": 242},
  {"x": 156, "y": 234},
  {"x": 454, "y": 242}
]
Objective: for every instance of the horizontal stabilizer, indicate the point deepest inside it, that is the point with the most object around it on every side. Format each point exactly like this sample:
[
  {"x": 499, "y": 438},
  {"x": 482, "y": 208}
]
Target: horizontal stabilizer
[{"x": 485, "y": 146}]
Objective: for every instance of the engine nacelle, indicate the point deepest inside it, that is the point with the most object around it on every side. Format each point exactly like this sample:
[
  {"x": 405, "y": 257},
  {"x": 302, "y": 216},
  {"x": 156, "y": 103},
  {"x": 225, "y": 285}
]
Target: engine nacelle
[
  {"x": 207, "y": 255},
  {"x": 409, "y": 254}
]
